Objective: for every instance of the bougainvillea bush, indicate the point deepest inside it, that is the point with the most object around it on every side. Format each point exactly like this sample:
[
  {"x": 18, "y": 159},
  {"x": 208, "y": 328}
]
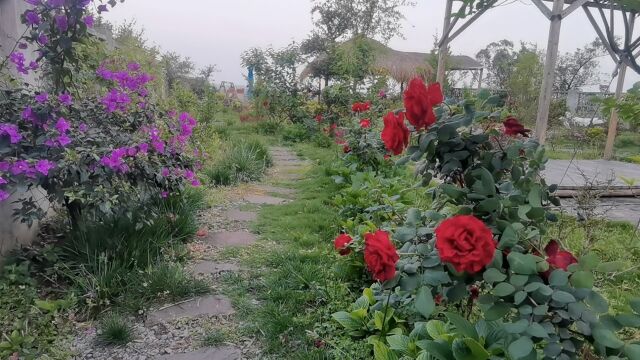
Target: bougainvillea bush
[
  {"x": 97, "y": 153},
  {"x": 476, "y": 276}
]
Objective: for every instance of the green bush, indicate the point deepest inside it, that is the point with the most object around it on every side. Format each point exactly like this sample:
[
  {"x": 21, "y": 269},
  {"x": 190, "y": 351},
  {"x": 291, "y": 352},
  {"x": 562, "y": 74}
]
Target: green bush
[
  {"x": 269, "y": 126},
  {"x": 244, "y": 162},
  {"x": 295, "y": 133},
  {"x": 323, "y": 141},
  {"x": 115, "y": 330}
]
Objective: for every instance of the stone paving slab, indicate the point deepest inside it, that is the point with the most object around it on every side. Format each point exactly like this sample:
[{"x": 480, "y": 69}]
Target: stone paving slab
[
  {"x": 601, "y": 170},
  {"x": 202, "y": 306},
  {"x": 231, "y": 238},
  {"x": 264, "y": 200},
  {"x": 212, "y": 267},
  {"x": 239, "y": 215},
  {"x": 222, "y": 353}
]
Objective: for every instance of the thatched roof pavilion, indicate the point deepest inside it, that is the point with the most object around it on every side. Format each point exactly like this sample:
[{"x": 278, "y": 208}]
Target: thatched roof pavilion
[{"x": 402, "y": 66}]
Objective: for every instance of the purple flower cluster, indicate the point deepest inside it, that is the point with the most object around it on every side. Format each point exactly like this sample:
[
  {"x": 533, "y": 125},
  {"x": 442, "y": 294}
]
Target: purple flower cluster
[
  {"x": 63, "y": 139},
  {"x": 18, "y": 59},
  {"x": 65, "y": 99},
  {"x": 4, "y": 195},
  {"x": 12, "y": 132},
  {"x": 116, "y": 100},
  {"x": 32, "y": 18},
  {"x": 115, "y": 160},
  {"x": 133, "y": 79}
]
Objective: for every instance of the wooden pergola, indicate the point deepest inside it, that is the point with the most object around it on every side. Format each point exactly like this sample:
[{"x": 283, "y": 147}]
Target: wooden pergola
[{"x": 607, "y": 18}]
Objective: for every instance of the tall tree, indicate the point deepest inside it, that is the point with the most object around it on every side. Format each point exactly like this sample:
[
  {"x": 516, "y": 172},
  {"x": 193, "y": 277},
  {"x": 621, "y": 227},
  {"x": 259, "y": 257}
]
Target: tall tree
[
  {"x": 176, "y": 67},
  {"x": 580, "y": 68}
]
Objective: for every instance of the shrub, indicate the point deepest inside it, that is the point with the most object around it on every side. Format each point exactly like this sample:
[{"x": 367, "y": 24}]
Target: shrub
[
  {"x": 114, "y": 329},
  {"x": 220, "y": 174},
  {"x": 295, "y": 133},
  {"x": 269, "y": 126},
  {"x": 244, "y": 162}
]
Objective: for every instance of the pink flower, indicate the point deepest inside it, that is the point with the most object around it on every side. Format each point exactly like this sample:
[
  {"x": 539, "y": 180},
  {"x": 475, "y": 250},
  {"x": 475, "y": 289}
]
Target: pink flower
[
  {"x": 158, "y": 145},
  {"x": 143, "y": 148},
  {"x": 12, "y": 131},
  {"x": 4, "y": 195},
  {"x": 165, "y": 172},
  {"x": 42, "y": 98},
  {"x": 43, "y": 166},
  {"x": 83, "y": 127},
  {"x": 20, "y": 167},
  {"x": 64, "y": 140},
  {"x": 62, "y": 125}
]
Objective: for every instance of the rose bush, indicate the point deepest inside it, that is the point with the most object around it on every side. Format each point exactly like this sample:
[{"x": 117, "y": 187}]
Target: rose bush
[{"x": 477, "y": 265}]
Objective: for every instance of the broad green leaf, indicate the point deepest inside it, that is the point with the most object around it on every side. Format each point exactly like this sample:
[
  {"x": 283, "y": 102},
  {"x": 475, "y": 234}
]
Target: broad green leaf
[
  {"x": 382, "y": 352},
  {"x": 509, "y": 238},
  {"x": 607, "y": 338},
  {"x": 497, "y": 311},
  {"x": 535, "y": 196},
  {"x": 609, "y": 267},
  {"x": 582, "y": 280},
  {"x": 522, "y": 263},
  {"x": 597, "y": 302},
  {"x": 424, "y": 302},
  {"x": 477, "y": 350},
  {"x": 503, "y": 289},
  {"x": 563, "y": 297},
  {"x": 437, "y": 329},
  {"x": 344, "y": 318},
  {"x": 520, "y": 348},
  {"x": 398, "y": 342},
  {"x": 517, "y": 327},
  {"x": 536, "y": 330},
  {"x": 463, "y": 325},
  {"x": 559, "y": 278},
  {"x": 493, "y": 275},
  {"x": 632, "y": 351}
]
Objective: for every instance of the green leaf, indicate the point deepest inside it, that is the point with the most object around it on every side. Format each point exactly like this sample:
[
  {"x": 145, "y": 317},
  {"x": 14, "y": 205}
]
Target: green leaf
[
  {"x": 629, "y": 320},
  {"x": 635, "y": 305},
  {"x": 582, "y": 280},
  {"x": 463, "y": 326},
  {"x": 535, "y": 196},
  {"x": 437, "y": 329},
  {"x": 589, "y": 261},
  {"x": 493, "y": 275},
  {"x": 519, "y": 297},
  {"x": 563, "y": 297},
  {"x": 597, "y": 302},
  {"x": 435, "y": 277},
  {"x": 520, "y": 348},
  {"x": 607, "y": 338},
  {"x": 503, "y": 289},
  {"x": 437, "y": 349},
  {"x": 424, "y": 302},
  {"x": 497, "y": 311},
  {"x": 398, "y": 342},
  {"x": 477, "y": 350},
  {"x": 517, "y": 327},
  {"x": 536, "y": 330},
  {"x": 522, "y": 263},
  {"x": 345, "y": 319},
  {"x": 609, "y": 267},
  {"x": 632, "y": 351},
  {"x": 509, "y": 238},
  {"x": 382, "y": 352},
  {"x": 559, "y": 278}
]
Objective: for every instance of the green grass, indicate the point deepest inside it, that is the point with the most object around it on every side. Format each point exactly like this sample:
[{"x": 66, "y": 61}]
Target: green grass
[
  {"x": 245, "y": 161},
  {"x": 294, "y": 282},
  {"x": 114, "y": 329},
  {"x": 214, "y": 338}
]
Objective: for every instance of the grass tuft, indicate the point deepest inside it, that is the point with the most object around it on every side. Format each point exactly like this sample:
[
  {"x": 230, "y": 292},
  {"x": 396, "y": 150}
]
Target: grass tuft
[{"x": 114, "y": 329}]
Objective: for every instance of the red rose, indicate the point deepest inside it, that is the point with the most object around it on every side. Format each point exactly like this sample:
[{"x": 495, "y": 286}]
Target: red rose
[
  {"x": 361, "y": 106},
  {"x": 438, "y": 299},
  {"x": 380, "y": 255},
  {"x": 319, "y": 118},
  {"x": 346, "y": 149},
  {"x": 341, "y": 243},
  {"x": 474, "y": 292},
  {"x": 395, "y": 134},
  {"x": 365, "y": 123},
  {"x": 465, "y": 242},
  {"x": 558, "y": 259},
  {"x": 512, "y": 127},
  {"x": 419, "y": 101}
]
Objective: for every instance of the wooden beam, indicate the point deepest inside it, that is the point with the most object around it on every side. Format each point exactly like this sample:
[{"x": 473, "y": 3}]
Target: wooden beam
[
  {"x": 601, "y": 35},
  {"x": 472, "y": 19},
  {"x": 613, "y": 122},
  {"x": 543, "y": 8},
  {"x": 573, "y": 7},
  {"x": 544, "y": 102},
  {"x": 444, "y": 43}
]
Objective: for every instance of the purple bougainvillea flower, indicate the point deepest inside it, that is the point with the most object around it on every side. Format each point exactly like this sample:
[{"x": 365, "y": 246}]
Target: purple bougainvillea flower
[
  {"x": 158, "y": 145},
  {"x": 195, "y": 182},
  {"x": 164, "y": 172},
  {"x": 4, "y": 195},
  {"x": 32, "y": 18},
  {"x": 43, "y": 166},
  {"x": 65, "y": 99},
  {"x": 27, "y": 113},
  {"x": 84, "y": 3},
  {"x": 4, "y": 166},
  {"x": 43, "y": 39},
  {"x": 62, "y": 23},
  {"x": 43, "y": 97},
  {"x": 33, "y": 65},
  {"x": 12, "y": 132},
  {"x": 143, "y": 148},
  {"x": 102, "y": 8},
  {"x": 88, "y": 20},
  {"x": 164, "y": 194},
  {"x": 3, "y": 181},
  {"x": 133, "y": 67},
  {"x": 62, "y": 125},
  {"x": 83, "y": 127},
  {"x": 63, "y": 140},
  {"x": 20, "y": 167},
  {"x": 22, "y": 46},
  {"x": 33, "y": 2},
  {"x": 18, "y": 59}
]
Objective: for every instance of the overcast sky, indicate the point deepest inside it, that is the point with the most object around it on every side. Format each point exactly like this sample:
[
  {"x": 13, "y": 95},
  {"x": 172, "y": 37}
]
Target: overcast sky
[{"x": 217, "y": 31}]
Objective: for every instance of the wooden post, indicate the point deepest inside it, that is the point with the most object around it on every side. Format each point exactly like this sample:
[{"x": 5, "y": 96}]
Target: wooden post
[
  {"x": 544, "y": 102},
  {"x": 480, "y": 79},
  {"x": 613, "y": 122},
  {"x": 442, "y": 51}
]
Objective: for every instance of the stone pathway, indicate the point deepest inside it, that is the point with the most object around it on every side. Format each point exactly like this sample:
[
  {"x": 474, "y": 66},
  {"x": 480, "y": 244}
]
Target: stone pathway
[{"x": 175, "y": 331}]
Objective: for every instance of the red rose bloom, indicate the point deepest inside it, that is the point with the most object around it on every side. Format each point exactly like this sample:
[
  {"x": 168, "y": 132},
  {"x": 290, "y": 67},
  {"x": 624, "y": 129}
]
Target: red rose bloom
[
  {"x": 465, "y": 242},
  {"x": 395, "y": 134},
  {"x": 419, "y": 101},
  {"x": 346, "y": 149},
  {"x": 361, "y": 106},
  {"x": 438, "y": 299},
  {"x": 380, "y": 255},
  {"x": 319, "y": 118},
  {"x": 341, "y": 244},
  {"x": 512, "y": 127},
  {"x": 365, "y": 123},
  {"x": 558, "y": 259}
]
